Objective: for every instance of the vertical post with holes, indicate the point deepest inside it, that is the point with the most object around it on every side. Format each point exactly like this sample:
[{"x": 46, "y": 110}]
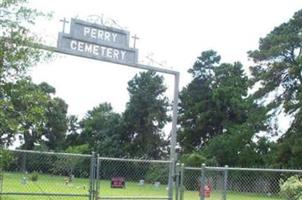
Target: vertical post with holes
[
  {"x": 177, "y": 177},
  {"x": 182, "y": 188},
  {"x": 225, "y": 182},
  {"x": 97, "y": 187},
  {"x": 202, "y": 182},
  {"x": 91, "y": 177}
]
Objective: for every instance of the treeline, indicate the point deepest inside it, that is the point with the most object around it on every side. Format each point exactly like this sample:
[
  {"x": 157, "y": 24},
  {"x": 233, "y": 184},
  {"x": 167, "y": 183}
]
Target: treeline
[{"x": 225, "y": 116}]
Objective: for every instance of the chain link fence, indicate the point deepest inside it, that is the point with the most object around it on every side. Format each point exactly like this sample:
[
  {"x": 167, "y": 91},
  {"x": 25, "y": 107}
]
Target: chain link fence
[
  {"x": 45, "y": 175},
  {"x": 221, "y": 183},
  {"x": 51, "y": 176}
]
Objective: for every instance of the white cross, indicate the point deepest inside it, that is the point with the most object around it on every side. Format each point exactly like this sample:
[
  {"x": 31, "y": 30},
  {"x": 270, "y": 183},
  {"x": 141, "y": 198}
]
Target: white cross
[
  {"x": 64, "y": 22},
  {"x": 134, "y": 40}
]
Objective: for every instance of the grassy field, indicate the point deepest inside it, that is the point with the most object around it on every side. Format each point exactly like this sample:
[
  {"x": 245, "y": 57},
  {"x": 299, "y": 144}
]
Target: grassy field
[{"x": 13, "y": 182}]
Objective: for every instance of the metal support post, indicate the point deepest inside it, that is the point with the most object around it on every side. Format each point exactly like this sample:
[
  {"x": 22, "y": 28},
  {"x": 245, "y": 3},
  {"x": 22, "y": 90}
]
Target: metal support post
[
  {"x": 225, "y": 183},
  {"x": 202, "y": 182},
  {"x": 97, "y": 188},
  {"x": 182, "y": 188},
  {"x": 170, "y": 181},
  {"x": 177, "y": 169},
  {"x": 91, "y": 177},
  {"x": 174, "y": 117},
  {"x": 173, "y": 135}
]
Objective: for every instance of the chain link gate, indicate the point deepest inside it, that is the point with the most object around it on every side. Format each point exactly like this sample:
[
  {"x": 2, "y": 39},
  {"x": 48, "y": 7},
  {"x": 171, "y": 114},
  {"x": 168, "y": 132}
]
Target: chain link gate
[{"x": 192, "y": 183}]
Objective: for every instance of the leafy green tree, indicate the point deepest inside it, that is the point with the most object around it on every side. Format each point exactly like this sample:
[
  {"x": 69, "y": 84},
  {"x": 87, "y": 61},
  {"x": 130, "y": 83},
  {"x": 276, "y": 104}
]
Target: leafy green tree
[
  {"x": 55, "y": 129},
  {"x": 39, "y": 117},
  {"x": 57, "y": 124},
  {"x": 145, "y": 116},
  {"x": 16, "y": 21},
  {"x": 218, "y": 119},
  {"x": 212, "y": 102},
  {"x": 73, "y": 137},
  {"x": 101, "y": 129},
  {"x": 277, "y": 69},
  {"x": 28, "y": 105}
]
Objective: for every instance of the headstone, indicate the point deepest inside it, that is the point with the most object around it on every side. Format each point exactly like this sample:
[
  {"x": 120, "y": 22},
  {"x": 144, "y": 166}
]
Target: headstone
[
  {"x": 117, "y": 182},
  {"x": 141, "y": 182},
  {"x": 157, "y": 184},
  {"x": 24, "y": 180}
]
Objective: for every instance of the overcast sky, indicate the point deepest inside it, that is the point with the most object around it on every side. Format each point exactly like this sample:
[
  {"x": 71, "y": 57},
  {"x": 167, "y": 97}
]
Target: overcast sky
[{"x": 172, "y": 32}]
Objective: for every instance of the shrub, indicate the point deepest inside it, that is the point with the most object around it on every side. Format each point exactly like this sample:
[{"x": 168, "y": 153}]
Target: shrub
[
  {"x": 34, "y": 176},
  {"x": 5, "y": 159},
  {"x": 157, "y": 173},
  {"x": 291, "y": 188}
]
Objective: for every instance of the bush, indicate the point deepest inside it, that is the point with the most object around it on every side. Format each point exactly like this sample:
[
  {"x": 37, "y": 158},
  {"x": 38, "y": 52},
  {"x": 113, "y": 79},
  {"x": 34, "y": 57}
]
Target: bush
[
  {"x": 194, "y": 159},
  {"x": 5, "y": 159},
  {"x": 157, "y": 173},
  {"x": 34, "y": 176},
  {"x": 291, "y": 188}
]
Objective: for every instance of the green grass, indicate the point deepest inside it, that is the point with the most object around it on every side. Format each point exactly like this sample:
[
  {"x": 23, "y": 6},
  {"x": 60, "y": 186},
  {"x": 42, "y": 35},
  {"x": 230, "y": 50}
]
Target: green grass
[{"x": 56, "y": 184}]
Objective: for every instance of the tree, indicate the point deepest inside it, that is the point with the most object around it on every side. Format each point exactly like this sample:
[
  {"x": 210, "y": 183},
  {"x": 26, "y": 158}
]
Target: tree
[
  {"x": 57, "y": 124},
  {"x": 215, "y": 106},
  {"x": 211, "y": 101},
  {"x": 16, "y": 57},
  {"x": 40, "y": 118},
  {"x": 73, "y": 138},
  {"x": 27, "y": 108},
  {"x": 278, "y": 62},
  {"x": 145, "y": 116},
  {"x": 101, "y": 129}
]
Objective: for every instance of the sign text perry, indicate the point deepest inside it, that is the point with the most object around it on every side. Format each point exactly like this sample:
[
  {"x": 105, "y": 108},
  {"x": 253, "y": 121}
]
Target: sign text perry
[{"x": 100, "y": 34}]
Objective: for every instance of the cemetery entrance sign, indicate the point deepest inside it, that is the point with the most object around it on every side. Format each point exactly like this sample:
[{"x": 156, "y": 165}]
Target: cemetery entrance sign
[{"x": 97, "y": 41}]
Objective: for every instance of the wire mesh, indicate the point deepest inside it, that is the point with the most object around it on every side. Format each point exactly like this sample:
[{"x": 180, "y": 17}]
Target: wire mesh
[
  {"x": 264, "y": 185},
  {"x": 38, "y": 175},
  {"x": 238, "y": 183},
  {"x": 133, "y": 178},
  {"x": 46, "y": 175}
]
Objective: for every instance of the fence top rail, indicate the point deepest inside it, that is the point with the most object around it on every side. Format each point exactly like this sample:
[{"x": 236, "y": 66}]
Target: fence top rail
[
  {"x": 193, "y": 168},
  {"x": 265, "y": 170},
  {"x": 132, "y": 197},
  {"x": 50, "y": 153},
  {"x": 245, "y": 169},
  {"x": 134, "y": 160}
]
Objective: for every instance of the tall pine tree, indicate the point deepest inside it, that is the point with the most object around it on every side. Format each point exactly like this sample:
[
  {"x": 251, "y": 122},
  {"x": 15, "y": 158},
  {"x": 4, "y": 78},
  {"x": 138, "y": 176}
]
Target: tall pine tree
[
  {"x": 145, "y": 116},
  {"x": 278, "y": 68},
  {"x": 215, "y": 103}
]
